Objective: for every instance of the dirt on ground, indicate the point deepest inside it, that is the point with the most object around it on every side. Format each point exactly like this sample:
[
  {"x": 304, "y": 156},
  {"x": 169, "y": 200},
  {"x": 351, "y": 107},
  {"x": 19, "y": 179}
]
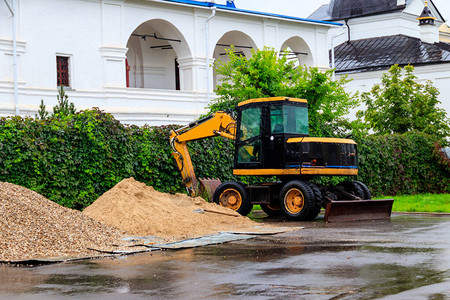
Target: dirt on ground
[
  {"x": 34, "y": 227},
  {"x": 140, "y": 210}
]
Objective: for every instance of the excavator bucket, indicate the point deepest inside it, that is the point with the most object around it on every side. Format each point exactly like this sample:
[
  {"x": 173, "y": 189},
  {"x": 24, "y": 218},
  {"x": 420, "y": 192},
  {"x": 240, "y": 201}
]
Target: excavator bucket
[
  {"x": 358, "y": 210},
  {"x": 208, "y": 186}
]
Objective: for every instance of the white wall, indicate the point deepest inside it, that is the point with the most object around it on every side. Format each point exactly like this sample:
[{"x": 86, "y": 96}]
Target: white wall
[{"x": 95, "y": 35}]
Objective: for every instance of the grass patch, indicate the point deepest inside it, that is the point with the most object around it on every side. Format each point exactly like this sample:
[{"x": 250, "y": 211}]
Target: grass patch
[
  {"x": 439, "y": 203},
  {"x": 421, "y": 203}
]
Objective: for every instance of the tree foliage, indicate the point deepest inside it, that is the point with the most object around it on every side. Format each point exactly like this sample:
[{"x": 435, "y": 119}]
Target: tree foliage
[
  {"x": 266, "y": 73},
  {"x": 401, "y": 104},
  {"x": 42, "y": 112},
  {"x": 63, "y": 108}
]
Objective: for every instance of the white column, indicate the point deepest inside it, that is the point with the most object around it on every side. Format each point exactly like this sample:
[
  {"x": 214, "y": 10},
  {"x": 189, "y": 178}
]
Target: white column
[
  {"x": 194, "y": 74},
  {"x": 114, "y": 66}
]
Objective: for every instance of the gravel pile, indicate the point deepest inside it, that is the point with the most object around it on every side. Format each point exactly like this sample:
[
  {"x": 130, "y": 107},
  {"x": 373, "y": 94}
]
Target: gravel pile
[{"x": 32, "y": 227}]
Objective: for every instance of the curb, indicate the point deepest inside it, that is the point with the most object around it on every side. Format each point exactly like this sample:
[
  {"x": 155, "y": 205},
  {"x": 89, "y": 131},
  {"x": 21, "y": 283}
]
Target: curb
[{"x": 420, "y": 213}]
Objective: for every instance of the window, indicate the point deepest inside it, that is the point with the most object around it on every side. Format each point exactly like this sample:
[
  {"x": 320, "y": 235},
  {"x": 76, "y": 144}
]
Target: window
[
  {"x": 289, "y": 119},
  {"x": 250, "y": 152},
  {"x": 62, "y": 69},
  {"x": 250, "y": 123}
]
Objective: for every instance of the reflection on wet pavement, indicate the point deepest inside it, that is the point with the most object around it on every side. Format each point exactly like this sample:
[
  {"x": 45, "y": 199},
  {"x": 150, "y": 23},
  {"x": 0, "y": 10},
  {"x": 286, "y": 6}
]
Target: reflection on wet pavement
[{"x": 405, "y": 258}]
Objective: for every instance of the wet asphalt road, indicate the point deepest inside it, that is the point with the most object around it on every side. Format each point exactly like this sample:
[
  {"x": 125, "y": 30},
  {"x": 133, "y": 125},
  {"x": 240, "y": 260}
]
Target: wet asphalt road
[{"x": 407, "y": 257}]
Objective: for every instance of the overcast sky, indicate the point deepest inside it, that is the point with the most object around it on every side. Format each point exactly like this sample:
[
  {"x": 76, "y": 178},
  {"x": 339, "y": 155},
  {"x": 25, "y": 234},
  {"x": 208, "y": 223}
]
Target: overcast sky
[{"x": 303, "y": 8}]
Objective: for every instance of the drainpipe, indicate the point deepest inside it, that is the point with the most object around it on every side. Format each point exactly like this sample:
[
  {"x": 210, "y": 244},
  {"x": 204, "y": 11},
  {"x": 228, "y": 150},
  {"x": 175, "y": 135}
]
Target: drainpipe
[
  {"x": 16, "y": 89},
  {"x": 208, "y": 80}
]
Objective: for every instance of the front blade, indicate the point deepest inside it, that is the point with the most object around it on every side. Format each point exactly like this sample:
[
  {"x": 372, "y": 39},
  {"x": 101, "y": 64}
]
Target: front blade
[{"x": 358, "y": 210}]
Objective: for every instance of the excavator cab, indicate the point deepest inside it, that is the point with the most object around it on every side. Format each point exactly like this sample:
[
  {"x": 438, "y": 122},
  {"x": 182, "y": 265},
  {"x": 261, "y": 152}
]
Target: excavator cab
[
  {"x": 263, "y": 127},
  {"x": 272, "y": 140},
  {"x": 262, "y": 130}
]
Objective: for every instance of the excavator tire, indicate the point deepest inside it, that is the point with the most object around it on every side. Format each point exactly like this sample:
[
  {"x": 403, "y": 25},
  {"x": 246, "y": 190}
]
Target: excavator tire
[
  {"x": 365, "y": 189},
  {"x": 232, "y": 194},
  {"x": 350, "y": 187},
  {"x": 272, "y": 210},
  {"x": 317, "y": 200},
  {"x": 297, "y": 201}
]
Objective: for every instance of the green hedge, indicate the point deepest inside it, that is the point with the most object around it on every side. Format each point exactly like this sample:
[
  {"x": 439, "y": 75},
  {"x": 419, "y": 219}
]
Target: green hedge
[
  {"x": 72, "y": 160},
  {"x": 411, "y": 163}
]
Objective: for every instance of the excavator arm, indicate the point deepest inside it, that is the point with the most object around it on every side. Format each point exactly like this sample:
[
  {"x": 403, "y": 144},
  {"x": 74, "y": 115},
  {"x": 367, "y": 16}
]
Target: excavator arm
[{"x": 217, "y": 124}]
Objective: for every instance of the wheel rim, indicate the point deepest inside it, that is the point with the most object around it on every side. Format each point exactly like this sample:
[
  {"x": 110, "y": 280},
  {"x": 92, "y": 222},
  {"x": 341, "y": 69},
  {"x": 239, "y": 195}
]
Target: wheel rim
[
  {"x": 273, "y": 207},
  {"x": 231, "y": 198},
  {"x": 294, "y": 201}
]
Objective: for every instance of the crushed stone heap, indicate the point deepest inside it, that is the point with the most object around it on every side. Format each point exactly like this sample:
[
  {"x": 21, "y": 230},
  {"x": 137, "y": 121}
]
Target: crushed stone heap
[
  {"x": 34, "y": 227},
  {"x": 139, "y": 210}
]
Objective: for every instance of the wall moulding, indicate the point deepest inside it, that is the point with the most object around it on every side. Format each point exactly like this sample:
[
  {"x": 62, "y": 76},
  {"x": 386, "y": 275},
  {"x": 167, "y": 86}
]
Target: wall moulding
[
  {"x": 113, "y": 52},
  {"x": 6, "y": 46}
]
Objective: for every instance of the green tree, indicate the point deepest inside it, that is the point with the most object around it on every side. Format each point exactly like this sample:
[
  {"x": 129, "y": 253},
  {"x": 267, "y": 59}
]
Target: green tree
[
  {"x": 42, "y": 112},
  {"x": 266, "y": 73},
  {"x": 400, "y": 104},
  {"x": 63, "y": 108}
]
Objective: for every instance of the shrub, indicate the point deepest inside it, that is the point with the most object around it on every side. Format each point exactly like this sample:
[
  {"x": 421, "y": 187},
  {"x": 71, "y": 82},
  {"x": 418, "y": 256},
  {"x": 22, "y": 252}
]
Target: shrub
[
  {"x": 73, "y": 159},
  {"x": 407, "y": 163}
]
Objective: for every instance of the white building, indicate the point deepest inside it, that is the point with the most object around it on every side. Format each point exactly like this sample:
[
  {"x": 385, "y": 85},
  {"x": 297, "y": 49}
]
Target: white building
[
  {"x": 144, "y": 61},
  {"x": 380, "y": 33}
]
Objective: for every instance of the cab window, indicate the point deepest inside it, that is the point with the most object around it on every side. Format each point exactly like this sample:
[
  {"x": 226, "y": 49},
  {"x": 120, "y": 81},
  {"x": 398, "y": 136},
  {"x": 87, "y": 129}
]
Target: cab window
[
  {"x": 250, "y": 152},
  {"x": 289, "y": 119},
  {"x": 250, "y": 123}
]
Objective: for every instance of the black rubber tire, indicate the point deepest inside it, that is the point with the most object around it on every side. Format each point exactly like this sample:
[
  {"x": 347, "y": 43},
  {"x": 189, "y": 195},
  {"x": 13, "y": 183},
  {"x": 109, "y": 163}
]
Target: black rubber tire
[
  {"x": 317, "y": 199},
  {"x": 272, "y": 210},
  {"x": 351, "y": 187},
  {"x": 365, "y": 189},
  {"x": 306, "y": 211},
  {"x": 245, "y": 206}
]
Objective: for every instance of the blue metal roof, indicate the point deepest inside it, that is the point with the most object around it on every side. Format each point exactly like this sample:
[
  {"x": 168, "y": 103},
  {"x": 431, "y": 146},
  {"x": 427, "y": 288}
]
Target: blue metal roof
[{"x": 259, "y": 13}]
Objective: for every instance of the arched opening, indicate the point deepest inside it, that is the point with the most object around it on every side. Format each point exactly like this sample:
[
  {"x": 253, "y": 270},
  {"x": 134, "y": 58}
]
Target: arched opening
[
  {"x": 242, "y": 44},
  {"x": 296, "y": 49},
  {"x": 154, "y": 50}
]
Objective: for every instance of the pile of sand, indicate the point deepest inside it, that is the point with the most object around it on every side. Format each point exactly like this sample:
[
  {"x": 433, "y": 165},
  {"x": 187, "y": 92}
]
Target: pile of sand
[
  {"x": 32, "y": 226},
  {"x": 139, "y": 210}
]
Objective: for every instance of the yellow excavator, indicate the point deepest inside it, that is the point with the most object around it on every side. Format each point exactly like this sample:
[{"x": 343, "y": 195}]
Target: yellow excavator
[{"x": 271, "y": 137}]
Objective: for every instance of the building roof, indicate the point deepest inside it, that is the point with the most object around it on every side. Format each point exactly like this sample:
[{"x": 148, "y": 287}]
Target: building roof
[
  {"x": 348, "y": 9},
  {"x": 382, "y": 52},
  {"x": 232, "y": 8}
]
